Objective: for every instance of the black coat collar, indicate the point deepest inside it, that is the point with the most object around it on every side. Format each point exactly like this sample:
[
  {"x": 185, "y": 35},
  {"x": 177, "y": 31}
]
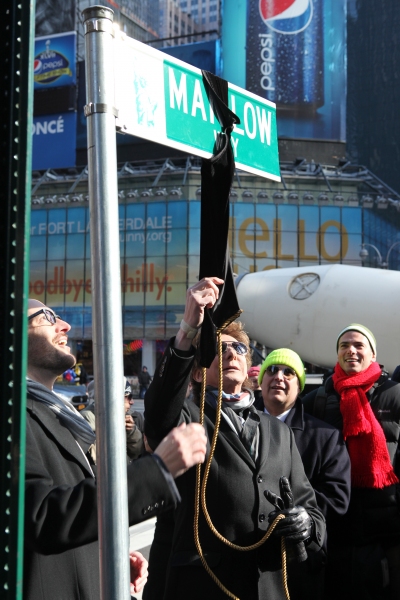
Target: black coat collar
[
  {"x": 54, "y": 428},
  {"x": 295, "y": 418}
]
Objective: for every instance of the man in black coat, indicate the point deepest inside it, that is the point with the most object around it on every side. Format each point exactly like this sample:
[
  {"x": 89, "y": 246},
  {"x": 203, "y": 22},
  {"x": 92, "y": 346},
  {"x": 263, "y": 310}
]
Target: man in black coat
[
  {"x": 61, "y": 557},
  {"x": 322, "y": 450},
  {"x": 134, "y": 435},
  {"x": 364, "y": 404},
  {"x": 144, "y": 378},
  {"x": 252, "y": 453}
]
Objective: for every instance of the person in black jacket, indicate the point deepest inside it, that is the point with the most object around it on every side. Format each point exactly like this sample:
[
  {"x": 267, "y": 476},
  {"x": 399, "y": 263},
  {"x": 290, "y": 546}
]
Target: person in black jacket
[
  {"x": 253, "y": 452},
  {"x": 364, "y": 404},
  {"x": 61, "y": 558},
  {"x": 322, "y": 450},
  {"x": 144, "y": 378},
  {"x": 134, "y": 436}
]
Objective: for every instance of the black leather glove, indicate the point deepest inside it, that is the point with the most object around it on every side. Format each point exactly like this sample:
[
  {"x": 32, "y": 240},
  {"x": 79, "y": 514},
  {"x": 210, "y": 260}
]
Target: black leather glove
[{"x": 297, "y": 526}]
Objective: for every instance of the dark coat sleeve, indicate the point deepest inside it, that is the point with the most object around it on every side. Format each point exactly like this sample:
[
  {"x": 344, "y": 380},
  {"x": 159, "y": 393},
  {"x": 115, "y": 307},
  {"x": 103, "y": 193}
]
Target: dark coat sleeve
[
  {"x": 61, "y": 495},
  {"x": 303, "y": 494},
  {"x": 327, "y": 465},
  {"x": 134, "y": 443},
  {"x": 139, "y": 419},
  {"x": 166, "y": 394},
  {"x": 308, "y": 401}
]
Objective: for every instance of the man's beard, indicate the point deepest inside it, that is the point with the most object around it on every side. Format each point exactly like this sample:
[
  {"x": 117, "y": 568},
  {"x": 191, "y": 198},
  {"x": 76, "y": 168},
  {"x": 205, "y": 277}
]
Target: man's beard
[{"x": 43, "y": 355}]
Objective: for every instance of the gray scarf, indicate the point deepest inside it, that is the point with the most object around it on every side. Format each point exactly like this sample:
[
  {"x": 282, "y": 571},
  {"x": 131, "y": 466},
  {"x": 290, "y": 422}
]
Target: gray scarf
[
  {"x": 241, "y": 416},
  {"x": 68, "y": 416}
]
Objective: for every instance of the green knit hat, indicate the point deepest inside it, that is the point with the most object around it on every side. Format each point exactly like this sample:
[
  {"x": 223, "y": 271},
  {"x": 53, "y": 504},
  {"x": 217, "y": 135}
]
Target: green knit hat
[
  {"x": 361, "y": 329},
  {"x": 285, "y": 356}
]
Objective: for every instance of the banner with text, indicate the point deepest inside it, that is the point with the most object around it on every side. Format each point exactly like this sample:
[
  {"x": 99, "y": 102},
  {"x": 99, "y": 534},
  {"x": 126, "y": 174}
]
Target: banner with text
[
  {"x": 55, "y": 60},
  {"x": 160, "y": 245}
]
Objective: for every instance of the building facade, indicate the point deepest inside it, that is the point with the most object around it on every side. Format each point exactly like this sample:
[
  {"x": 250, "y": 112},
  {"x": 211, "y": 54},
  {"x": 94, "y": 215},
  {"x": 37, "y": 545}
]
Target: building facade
[
  {"x": 176, "y": 23},
  {"x": 180, "y": 20},
  {"x": 315, "y": 216}
]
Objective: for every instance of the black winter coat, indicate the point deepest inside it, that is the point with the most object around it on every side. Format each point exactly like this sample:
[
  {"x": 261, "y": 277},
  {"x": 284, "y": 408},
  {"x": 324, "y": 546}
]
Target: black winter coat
[
  {"x": 61, "y": 559},
  {"x": 327, "y": 465},
  {"x": 235, "y": 497},
  {"x": 374, "y": 514},
  {"x": 325, "y": 459}
]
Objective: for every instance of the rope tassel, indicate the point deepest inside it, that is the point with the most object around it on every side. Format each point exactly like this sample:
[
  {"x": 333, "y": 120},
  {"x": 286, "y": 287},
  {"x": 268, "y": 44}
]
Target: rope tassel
[{"x": 200, "y": 492}]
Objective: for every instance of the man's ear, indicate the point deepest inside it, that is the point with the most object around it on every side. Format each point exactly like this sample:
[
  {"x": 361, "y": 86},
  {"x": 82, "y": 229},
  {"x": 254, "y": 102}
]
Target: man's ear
[{"x": 197, "y": 375}]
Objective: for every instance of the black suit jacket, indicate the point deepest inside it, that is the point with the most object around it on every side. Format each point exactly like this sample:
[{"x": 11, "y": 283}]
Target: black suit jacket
[
  {"x": 235, "y": 497},
  {"x": 325, "y": 459},
  {"x": 61, "y": 559}
]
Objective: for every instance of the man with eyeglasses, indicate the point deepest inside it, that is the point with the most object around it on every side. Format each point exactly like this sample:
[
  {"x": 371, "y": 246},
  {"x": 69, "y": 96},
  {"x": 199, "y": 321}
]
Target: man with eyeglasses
[
  {"x": 325, "y": 458},
  {"x": 61, "y": 550},
  {"x": 252, "y": 453}
]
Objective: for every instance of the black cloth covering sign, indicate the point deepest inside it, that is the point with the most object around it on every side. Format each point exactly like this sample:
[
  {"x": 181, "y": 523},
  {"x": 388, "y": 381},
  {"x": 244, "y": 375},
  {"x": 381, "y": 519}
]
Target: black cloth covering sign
[{"x": 216, "y": 180}]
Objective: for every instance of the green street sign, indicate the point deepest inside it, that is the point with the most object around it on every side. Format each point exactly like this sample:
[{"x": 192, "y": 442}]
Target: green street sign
[{"x": 163, "y": 99}]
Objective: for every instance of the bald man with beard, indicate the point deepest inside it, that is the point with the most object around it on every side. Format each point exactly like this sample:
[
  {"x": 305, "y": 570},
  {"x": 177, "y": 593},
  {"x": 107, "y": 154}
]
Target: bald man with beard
[{"x": 61, "y": 549}]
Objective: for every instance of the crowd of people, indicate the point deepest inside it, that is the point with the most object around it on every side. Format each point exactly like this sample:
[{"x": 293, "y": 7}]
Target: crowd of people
[{"x": 319, "y": 471}]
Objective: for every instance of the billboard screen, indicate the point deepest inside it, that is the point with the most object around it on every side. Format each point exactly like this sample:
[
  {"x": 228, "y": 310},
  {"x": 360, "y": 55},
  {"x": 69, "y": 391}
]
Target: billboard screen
[
  {"x": 55, "y": 61},
  {"x": 160, "y": 246},
  {"x": 292, "y": 52},
  {"x": 203, "y": 55},
  {"x": 296, "y": 58},
  {"x": 54, "y": 141}
]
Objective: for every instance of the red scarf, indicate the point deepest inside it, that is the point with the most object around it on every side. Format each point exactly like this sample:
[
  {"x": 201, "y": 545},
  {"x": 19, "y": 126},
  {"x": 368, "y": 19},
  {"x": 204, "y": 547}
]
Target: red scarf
[{"x": 366, "y": 443}]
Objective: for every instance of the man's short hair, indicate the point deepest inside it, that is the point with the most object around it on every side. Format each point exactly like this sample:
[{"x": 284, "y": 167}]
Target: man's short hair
[
  {"x": 361, "y": 329},
  {"x": 235, "y": 330}
]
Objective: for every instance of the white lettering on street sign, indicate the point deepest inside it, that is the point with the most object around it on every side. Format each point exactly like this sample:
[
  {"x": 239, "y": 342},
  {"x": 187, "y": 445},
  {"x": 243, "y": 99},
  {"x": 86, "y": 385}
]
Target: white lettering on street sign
[{"x": 164, "y": 100}]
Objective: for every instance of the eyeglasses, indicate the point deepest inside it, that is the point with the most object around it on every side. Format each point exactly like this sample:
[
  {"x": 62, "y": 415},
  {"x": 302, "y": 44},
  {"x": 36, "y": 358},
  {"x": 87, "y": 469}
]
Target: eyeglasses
[
  {"x": 238, "y": 347},
  {"x": 50, "y": 316},
  {"x": 287, "y": 372}
]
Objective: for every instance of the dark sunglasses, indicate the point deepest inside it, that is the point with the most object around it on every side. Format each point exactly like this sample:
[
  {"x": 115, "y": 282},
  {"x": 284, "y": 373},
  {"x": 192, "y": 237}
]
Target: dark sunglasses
[
  {"x": 288, "y": 372},
  {"x": 50, "y": 316},
  {"x": 238, "y": 347}
]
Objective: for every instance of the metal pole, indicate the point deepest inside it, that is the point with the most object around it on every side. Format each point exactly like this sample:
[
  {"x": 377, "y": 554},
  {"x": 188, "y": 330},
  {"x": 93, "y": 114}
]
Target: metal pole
[
  {"x": 106, "y": 304},
  {"x": 16, "y": 105},
  {"x": 380, "y": 260},
  {"x": 389, "y": 252}
]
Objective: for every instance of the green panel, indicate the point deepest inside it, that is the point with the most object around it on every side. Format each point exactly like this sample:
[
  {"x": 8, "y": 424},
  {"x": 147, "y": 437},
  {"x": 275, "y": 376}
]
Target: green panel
[
  {"x": 188, "y": 117},
  {"x": 17, "y": 39},
  {"x": 190, "y": 120},
  {"x": 255, "y": 141}
]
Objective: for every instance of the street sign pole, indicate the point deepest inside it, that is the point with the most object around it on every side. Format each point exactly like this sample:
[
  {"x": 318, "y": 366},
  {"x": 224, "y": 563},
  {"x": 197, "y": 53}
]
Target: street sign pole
[
  {"x": 164, "y": 100},
  {"x": 106, "y": 305}
]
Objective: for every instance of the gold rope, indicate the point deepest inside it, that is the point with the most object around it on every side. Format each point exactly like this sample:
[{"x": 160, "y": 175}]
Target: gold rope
[{"x": 201, "y": 488}]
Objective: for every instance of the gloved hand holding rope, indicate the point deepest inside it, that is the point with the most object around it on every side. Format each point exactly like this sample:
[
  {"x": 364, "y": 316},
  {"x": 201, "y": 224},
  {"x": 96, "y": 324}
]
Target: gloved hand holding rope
[{"x": 297, "y": 526}]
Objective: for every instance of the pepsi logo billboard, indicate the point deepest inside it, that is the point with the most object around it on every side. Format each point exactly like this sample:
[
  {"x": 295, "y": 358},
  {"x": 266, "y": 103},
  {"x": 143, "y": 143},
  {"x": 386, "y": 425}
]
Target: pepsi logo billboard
[
  {"x": 287, "y": 16},
  {"x": 55, "y": 61},
  {"x": 295, "y": 56}
]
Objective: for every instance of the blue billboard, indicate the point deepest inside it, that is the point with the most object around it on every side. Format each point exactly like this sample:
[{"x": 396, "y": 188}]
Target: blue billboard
[
  {"x": 203, "y": 55},
  {"x": 292, "y": 52},
  {"x": 55, "y": 60},
  {"x": 54, "y": 141}
]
